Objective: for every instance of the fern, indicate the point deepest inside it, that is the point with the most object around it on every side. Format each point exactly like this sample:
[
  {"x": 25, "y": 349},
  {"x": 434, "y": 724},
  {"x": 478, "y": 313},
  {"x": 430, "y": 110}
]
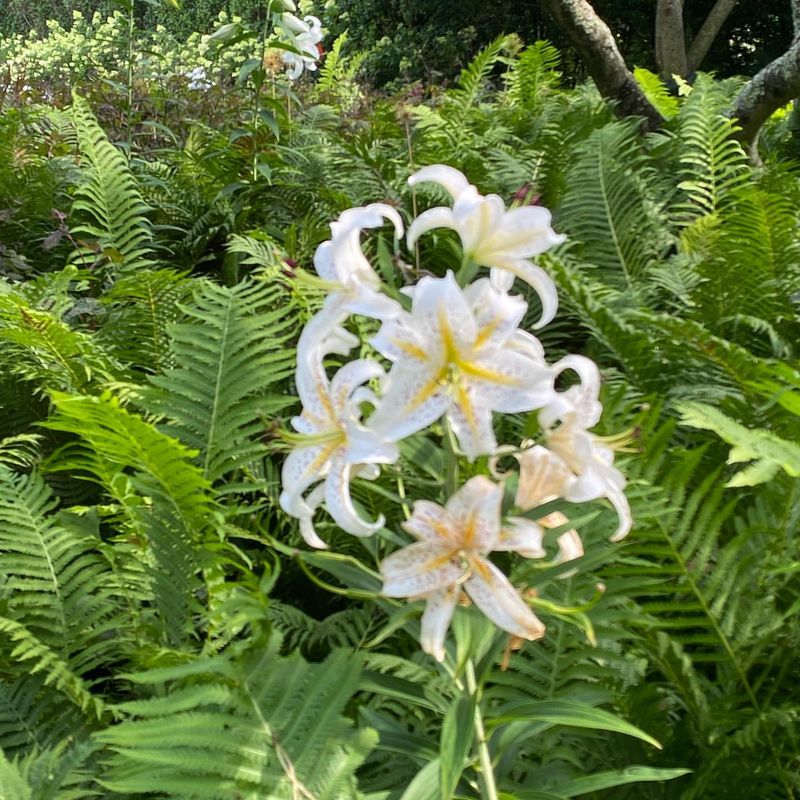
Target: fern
[
  {"x": 109, "y": 198},
  {"x": 533, "y": 75},
  {"x": 656, "y": 92},
  {"x": 266, "y": 726},
  {"x": 232, "y": 349},
  {"x": 612, "y": 206},
  {"x": 712, "y": 162},
  {"x": 162, "y": 498},
  {"x": 768, "y": 452}
]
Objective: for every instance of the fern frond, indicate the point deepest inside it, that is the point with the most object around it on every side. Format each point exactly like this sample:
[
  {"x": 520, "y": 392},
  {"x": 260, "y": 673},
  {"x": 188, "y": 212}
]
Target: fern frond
[
  {"x": 232, "y": 349},
  {"x": 768, "y": 452},
  {"x": 109, "y": 198},
  {"x": 613, "y": 207},
  {"x": 267, "y": 727}
]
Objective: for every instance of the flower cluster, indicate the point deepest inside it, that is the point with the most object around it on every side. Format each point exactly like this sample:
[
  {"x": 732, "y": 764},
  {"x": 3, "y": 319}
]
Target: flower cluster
[
  {"x": 304, "y": 36},
  {"x": 454, "y": 351}
]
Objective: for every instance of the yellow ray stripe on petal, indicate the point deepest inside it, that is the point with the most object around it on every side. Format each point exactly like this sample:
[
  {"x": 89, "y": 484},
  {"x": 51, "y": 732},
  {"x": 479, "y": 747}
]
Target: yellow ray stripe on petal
[
  {"x": 471, "y": 368},
  {"x": 425, "y": 392},
  {"x": 411, "y": 349}
]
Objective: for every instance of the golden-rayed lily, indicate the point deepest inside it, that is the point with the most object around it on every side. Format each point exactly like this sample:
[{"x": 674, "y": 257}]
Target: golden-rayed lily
[
  {"x": 566, "y": 420},
  {"x": 304, "y": 34},
  {"x": 451, "y": 555},
  {"x": 491, "y": 235},
  {"x": 333, "y": 444},
  {"x": 460, "y": 353},
  {"x": 353, "y": 284}
]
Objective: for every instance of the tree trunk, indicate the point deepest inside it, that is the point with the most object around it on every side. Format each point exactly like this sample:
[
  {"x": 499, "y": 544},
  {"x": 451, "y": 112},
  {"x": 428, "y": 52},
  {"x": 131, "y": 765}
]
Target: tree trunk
[
  {"x": 670, "y": 39},
  {"x": 595, "y": 44},
  {"x": 708, "y": 32},
  {"x": 776, "y": 85}
]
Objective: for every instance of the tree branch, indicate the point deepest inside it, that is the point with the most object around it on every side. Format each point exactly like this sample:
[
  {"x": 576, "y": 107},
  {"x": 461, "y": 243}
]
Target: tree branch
[
  {"x": 776, "y": 85},
  {"x": 670, "y": 39},
  {"x": 595, "y": 44},
  {"x": 708, "y": 32}
]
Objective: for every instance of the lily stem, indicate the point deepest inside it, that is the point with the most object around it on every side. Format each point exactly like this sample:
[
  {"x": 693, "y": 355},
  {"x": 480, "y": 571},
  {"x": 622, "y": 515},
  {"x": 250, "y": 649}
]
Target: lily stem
[{"x": 487, "y": 770}]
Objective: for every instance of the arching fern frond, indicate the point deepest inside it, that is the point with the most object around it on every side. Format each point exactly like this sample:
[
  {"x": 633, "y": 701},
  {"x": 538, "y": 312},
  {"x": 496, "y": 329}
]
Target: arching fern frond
[
  {"x": 231, "y": 351},
  {"x": 263, "y": 726},
  {"x": 108, "y": 199}
]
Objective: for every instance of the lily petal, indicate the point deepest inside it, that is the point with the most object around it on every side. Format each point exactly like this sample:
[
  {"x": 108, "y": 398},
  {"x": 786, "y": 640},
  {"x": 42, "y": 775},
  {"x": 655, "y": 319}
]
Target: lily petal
[
  {"x": 448, "y": 177},
  {"x": 339, "y": 504},
  {"x": 436, "y": 618},
  {"x": 420, "y": 569},
  {"x": 475, "y": 511},
  {"x": 523, "y": 536},
  {"x": 535, "y": 277},
  {"x": 494, "y": 595},
  {"x": 439, "y": 217}
]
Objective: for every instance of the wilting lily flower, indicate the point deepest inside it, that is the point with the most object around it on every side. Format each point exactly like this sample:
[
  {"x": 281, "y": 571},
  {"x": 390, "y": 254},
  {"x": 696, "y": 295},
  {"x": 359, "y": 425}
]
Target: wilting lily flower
[
  {"x": 491, "y": 235},
  {"x": 543, "y": 477},
  {"x": 334, "y": 445},
  {"x": 353, "y": 284},
  {"x": 460, "y": 353},
  {"x": 304, "y": 34},
  {"x": 566, "y": 421},
  {"x": 450, "y": 554}
]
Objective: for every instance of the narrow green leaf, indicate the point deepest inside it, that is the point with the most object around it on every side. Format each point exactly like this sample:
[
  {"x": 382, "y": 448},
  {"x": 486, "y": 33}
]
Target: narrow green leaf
[
  {"x": 576, "y": 715},
  {"x": 618, "y": 777},
  {"x": 458, "y": 733}
]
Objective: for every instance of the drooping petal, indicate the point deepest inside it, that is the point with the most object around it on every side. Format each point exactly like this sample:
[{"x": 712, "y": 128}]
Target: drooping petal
[
  {"x": 350, "y": 376},
  {"x": 523, "y": 232},
  {"x": 497, "y": 315},
  {"x": 303, "y": 467},
  {"x": 494, "y": 595},
  {"x": 307, "y": 530},
  {"x": 439, "y": 217},
  {"x": 570, "y": 546},
  {"x": 535, "y": 277},
  {"x": 450, "y": 178},
  {"x": 471, "y": 420},
  {"x": 543, "y": 476},
  {"x": 436, "y": 618},
  {"x": 420, "y": 569},
  {"x": 523, "y": 536},
  {"x": 339, "y": 504}
]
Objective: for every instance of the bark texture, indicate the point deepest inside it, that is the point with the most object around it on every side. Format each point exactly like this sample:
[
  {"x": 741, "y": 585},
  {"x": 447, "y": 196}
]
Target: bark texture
[
  {"x": 776, "y": 85},
  {"x": 708, "y": 32},
  {"x": 670, "y": 39},
  {"x": 595, "y": 44}
]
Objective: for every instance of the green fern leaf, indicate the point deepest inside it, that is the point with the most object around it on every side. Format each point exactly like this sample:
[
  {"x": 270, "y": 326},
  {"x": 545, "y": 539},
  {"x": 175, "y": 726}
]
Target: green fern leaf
[{"x": 769, "y": 452}]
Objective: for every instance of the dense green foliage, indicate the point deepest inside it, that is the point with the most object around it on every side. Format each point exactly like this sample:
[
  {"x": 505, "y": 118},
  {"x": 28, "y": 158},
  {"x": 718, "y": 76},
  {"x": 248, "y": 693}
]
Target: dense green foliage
[{"x": 163, "y": 632}]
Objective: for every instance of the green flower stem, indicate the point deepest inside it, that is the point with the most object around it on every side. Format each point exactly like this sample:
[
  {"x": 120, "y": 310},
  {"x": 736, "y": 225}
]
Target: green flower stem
[
  {"x": 487, "y": 770},
  {"x": 450, "y": 460},
  {"x": 467, "y": 271}
]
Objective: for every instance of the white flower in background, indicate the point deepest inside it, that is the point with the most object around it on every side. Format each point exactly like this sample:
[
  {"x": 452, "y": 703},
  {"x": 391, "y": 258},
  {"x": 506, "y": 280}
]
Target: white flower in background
[
  {"x": 334, "y": 445},
  {"x": 354, "y": 285},
  {"x": 198, "y": 80},
  {"x": 304, "y": 35},
  {"x": 450, "y": 555},
  {"x": 460, "y": 353},
  {"x": 566, "y": 421},
  {"x": 491, "y": 235}
]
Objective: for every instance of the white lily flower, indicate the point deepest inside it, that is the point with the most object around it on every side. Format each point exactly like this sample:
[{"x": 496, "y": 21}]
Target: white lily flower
[
  {"x": 334, "y": 445},
  {"x": 304, "y": 34},
  {"x": 491, "y": 235},
  {"x": 460, "y": 353},
  {"x": 566, "y": 421},
  {"x": 450, "y": 554},
  {"x": 354, "y": 284}
]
